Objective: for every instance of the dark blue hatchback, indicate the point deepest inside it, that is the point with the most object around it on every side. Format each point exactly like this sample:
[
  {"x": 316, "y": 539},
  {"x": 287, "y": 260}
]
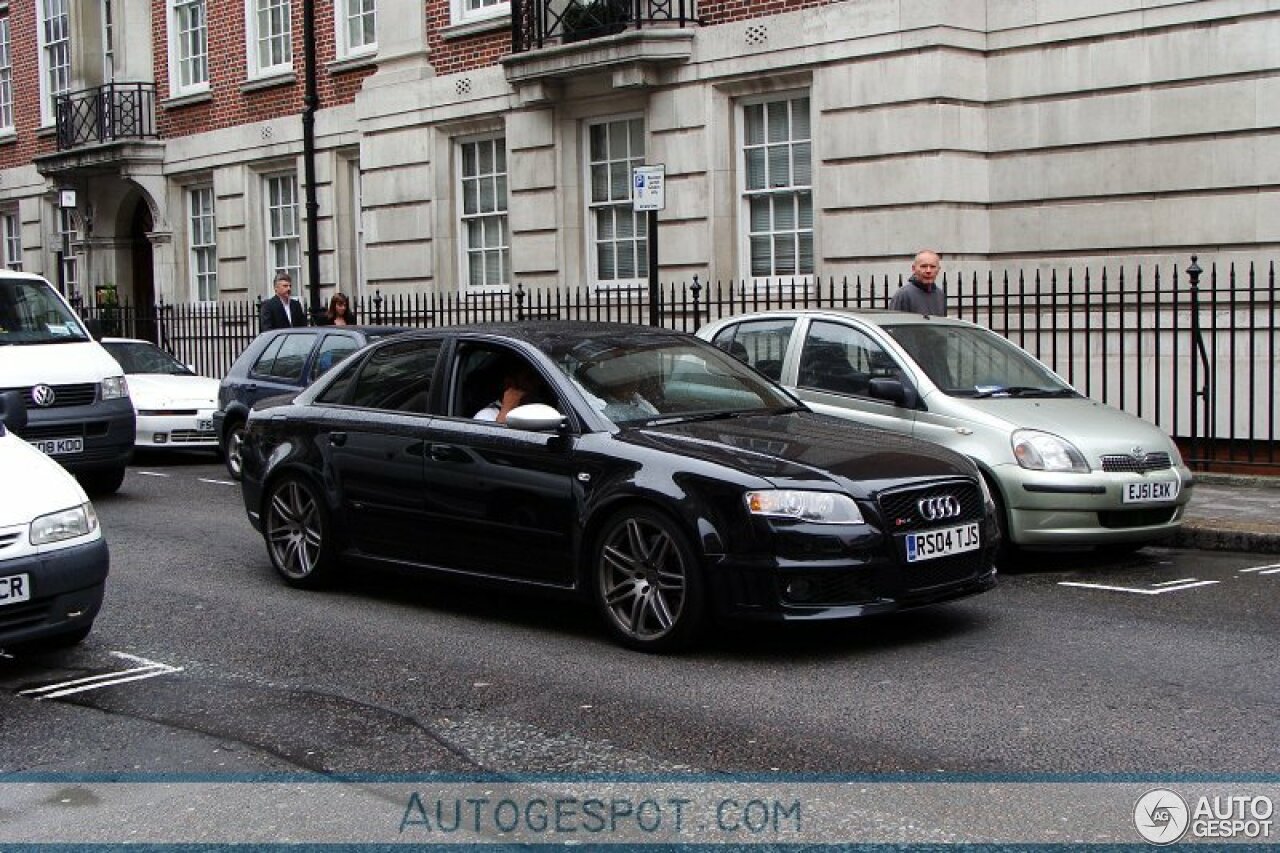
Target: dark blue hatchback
[{"x": 281, "y": 361}]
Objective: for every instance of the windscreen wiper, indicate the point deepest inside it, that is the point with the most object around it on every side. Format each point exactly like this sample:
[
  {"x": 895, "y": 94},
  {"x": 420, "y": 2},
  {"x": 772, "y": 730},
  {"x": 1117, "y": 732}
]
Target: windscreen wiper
[{"x": 1022, "y": 391}]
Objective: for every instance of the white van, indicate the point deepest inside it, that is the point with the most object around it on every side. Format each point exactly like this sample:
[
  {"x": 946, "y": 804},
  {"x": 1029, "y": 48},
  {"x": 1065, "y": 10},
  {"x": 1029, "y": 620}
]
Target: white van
[{"x": 77, "y": 401}]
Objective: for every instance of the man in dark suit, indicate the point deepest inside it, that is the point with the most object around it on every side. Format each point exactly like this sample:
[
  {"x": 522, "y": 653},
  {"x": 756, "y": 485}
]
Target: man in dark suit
[{"x": 281, "y": 312}]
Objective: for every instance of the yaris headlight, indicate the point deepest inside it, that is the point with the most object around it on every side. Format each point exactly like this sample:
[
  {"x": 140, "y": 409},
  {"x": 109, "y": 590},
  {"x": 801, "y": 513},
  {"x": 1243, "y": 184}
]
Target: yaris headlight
[
  {"x": 64, "y": 524},
  {"x": 820, "y": 507},
  {"x": 1044, "y": 451}
]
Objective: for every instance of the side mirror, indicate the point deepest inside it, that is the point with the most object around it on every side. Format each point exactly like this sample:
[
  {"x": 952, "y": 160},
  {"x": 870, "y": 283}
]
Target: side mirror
[
  {"x": 894, "y": 391},
  {"x": 535, "y": 417},
  {"x": 13, "y": 411}
]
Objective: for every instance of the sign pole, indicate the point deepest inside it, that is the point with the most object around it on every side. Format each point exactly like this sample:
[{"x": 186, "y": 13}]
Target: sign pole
[
  {"x": 649, "y": 194},
  {"x": 655, "y": 295}
]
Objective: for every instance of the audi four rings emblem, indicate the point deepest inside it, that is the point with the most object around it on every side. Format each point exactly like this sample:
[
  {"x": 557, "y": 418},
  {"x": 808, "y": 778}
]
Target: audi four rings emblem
[
  {"x": 43, "y": 395},
  {"x": 935, "y": 509}
]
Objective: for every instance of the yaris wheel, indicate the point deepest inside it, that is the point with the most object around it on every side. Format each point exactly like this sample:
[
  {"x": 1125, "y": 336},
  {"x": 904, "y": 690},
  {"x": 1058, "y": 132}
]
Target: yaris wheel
[
  {"x": 647, "y": 582},
  {"x": 298, "y": 534}
]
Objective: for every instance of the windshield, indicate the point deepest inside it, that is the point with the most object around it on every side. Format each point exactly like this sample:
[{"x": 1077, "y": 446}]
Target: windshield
[
  {"x": 31, "y": 313},
  {"x": 665, "y": 380},
  {"x": 967, "y": 361},
  {"x": 141, "y": 357}
]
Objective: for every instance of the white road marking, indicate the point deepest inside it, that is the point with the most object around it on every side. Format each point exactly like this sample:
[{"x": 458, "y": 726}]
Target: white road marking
[
  {"x": 218, "y": 482},
  {"x": 148, "y": 669},
  {"x": 151, "y": 473},
  {"x": 1263, "y": 570},
  {"x": 1189, "y": 585},
  {"x": 1171, "y": 583}
]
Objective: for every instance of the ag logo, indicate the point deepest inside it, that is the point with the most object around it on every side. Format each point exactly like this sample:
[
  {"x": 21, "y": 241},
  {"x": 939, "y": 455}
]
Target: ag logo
[{"x": 1161, "y": 816}]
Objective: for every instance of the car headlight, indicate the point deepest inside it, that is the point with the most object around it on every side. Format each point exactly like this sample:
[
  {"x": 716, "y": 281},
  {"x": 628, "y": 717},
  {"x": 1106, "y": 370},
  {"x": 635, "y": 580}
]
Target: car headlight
[
  {"x": 821, "y": 507},
  {"x": 1044, "y": 451},
  {"x": 114, "y": 387},
  {"x": 1175, "y": 455},
  {"x": 65, "y": 524}
]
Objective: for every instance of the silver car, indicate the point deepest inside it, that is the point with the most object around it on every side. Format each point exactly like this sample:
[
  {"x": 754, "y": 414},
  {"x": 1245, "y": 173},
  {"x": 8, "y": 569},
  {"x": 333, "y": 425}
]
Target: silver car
[{"x": 1065, "y": 470}]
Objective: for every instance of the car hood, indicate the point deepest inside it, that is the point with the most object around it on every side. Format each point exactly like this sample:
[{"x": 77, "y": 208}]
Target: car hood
[
  {"x": 164, "y": 391},
  {"x": 1094, "y": 428},
  {"x": 46, "y": 487},
  {"x": 804, "y": 448},
  {"x": 62, "y": 363}
]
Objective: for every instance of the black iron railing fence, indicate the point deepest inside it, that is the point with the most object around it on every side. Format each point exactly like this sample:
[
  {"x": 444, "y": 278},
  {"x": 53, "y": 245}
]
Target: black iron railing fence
[
  {"x": 1193, "y": 351},
  {"x": 106, "y": 114},
  {"x": 540, "y": 23}
]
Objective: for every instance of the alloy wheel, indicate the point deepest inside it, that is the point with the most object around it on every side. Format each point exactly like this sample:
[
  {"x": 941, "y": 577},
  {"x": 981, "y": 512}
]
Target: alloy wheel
[{"x": 645, "y": 582}]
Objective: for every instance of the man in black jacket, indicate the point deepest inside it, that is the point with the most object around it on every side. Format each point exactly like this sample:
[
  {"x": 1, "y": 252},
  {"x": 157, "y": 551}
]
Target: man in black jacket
[{"x": 281, "y": 312}]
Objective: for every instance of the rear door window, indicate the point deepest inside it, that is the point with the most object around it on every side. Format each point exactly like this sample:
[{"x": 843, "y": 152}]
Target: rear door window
[
  {"x": 759, "y": 343},
  {"x": 333, "y": 349},
  {"x": 397, "y": 377},
  {"x": 284, "y": 358}
]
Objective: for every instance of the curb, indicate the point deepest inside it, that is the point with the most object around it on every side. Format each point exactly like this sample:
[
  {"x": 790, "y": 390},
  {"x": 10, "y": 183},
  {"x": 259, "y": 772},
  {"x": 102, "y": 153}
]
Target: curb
[{"x": 1192, "y": 535}]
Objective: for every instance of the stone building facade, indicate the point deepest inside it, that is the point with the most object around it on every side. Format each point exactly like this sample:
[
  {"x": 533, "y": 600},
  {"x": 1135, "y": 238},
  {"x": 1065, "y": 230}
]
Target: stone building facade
[{"x": 467, "y": 145}]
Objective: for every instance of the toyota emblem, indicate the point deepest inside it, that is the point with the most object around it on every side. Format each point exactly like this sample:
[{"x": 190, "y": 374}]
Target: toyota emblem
[
  {"x": 43, "y": 396},
  {"x": 936, "y": 509}
]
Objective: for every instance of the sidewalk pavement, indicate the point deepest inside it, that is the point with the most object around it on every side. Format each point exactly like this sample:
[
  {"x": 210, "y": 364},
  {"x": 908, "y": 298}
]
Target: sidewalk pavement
[{"x": 1232, "y": 513}]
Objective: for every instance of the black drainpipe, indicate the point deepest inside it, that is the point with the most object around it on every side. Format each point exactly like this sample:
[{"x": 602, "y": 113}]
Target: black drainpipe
[{"x": 311, "y": 102}]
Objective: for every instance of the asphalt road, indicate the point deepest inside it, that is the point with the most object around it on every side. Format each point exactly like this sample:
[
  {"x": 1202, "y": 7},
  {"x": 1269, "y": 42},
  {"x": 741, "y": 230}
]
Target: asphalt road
[{"x": 1160, "y": 663}]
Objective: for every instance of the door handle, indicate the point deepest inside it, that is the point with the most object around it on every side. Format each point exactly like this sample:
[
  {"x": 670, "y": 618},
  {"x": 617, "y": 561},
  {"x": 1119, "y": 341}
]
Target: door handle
[{"x": 337, "y": 439}]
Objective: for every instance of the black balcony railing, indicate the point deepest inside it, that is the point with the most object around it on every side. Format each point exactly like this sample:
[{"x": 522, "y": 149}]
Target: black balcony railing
[
  {"x": 106, "y": 114},
  {"x": 540, "y": 23}
]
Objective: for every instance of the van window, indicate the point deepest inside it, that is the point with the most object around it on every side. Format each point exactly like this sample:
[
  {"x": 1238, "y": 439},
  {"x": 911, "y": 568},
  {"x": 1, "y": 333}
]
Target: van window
[{"x": 32, "y": 313}]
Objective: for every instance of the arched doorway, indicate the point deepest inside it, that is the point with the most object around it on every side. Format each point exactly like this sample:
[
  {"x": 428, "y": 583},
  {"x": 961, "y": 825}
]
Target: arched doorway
[{"x": 143, "y": 290}]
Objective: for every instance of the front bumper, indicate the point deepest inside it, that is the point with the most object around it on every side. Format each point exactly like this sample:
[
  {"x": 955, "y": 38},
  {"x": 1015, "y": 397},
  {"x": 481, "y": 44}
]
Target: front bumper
[
  {"x": 176, "y": 431},
  {"x": 1063, "y": 509},
  {"x": 850, "y": 576},
  {"x": 66, "y": 592},
  {"x": 106, "y": 428}
]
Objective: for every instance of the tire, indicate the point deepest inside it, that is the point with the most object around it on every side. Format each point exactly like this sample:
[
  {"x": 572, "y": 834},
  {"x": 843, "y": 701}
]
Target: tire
[
  {"x": 646, "y": 582},
  {"x": 233, "y": 454},
  {"x": 98, "y": 483},
  {"x": 1008, "y": 554},
  {"x": 298, "y": 534}
]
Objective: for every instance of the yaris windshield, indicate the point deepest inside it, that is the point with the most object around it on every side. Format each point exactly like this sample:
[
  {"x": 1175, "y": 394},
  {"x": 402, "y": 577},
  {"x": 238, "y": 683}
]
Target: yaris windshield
[
  {"x": 30, "y": 313},
  {"x": 649, "y": 380},
  {"x": 966, "y": 361},
  {"x": 136, "y": 357}
]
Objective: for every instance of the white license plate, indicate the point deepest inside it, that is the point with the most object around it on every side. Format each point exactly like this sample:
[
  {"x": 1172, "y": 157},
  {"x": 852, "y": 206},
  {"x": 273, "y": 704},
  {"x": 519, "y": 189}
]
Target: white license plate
[
  {"x": 932, "y": 544},
  {"x": 1141, "y": 493},
  {"x": 14, "y": 589},
  {"x": 204, "y": 424},
  {"x": 60, "y": 446}
]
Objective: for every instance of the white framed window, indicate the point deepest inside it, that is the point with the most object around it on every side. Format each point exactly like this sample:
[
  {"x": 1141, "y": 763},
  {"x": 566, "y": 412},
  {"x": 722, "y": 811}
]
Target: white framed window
[
  {"x": 108, "y": 43},
  {"x": 775, "y": 177},
  {"x": 68, "y": 235},
  {"x": 188, "y": 47},
  {"x": 203, "y": 243},
  {"x": 464, "y": 11},
  {"x": 269, "y": 37},
  {"x": 6, "y": 78},
  {"x": 618, "y": 240},
  {"x": 486, "y": 242},
  {"x": 357, "y": 24},
  {"x": 55, "y": 55},
  {"x": 284, "y": 243},
  {"x": 11, "y": 239}
]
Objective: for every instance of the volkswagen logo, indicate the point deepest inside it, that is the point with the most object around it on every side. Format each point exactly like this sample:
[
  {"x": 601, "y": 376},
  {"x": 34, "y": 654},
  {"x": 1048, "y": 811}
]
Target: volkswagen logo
[
  {"x": 936, "y": 509},
  {"x": 43, "y": 396}
]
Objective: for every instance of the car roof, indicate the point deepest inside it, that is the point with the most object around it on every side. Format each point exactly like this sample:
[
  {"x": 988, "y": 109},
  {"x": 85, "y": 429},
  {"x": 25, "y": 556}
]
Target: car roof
[
  {"x": 544, "y": 333},
  {"x": 875, "y": 316}
]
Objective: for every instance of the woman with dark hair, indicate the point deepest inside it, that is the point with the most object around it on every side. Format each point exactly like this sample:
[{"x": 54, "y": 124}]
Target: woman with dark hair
[{"x": 340, "y": 313}]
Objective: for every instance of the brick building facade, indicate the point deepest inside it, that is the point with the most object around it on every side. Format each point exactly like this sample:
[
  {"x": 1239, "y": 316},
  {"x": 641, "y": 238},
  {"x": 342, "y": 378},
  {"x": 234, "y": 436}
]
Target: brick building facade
[{"x": 465, "y": 145}]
